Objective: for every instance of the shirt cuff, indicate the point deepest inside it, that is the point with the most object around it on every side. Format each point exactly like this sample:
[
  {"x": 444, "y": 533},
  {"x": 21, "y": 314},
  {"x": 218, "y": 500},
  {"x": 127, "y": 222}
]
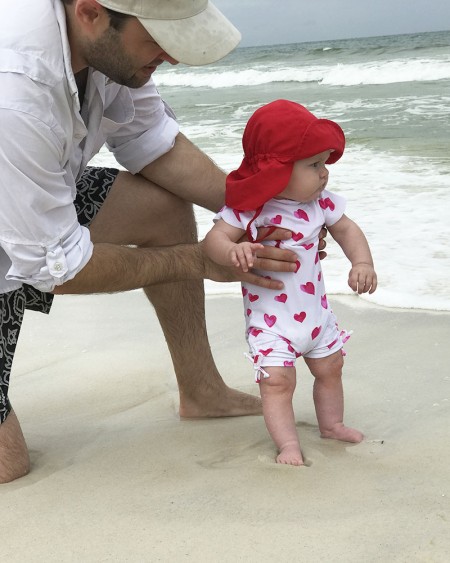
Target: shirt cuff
[{"x": 45, "y": 267}]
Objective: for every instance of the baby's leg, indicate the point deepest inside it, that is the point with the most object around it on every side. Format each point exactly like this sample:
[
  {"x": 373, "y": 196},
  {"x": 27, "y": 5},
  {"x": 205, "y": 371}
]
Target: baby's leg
[
  {"x": 329, "y": 398},
  {"x": 276, "y": 394}
]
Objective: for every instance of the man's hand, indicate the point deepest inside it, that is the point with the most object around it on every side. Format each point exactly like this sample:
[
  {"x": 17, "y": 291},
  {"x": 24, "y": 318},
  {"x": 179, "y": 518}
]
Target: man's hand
[
  {"x": 266, "y": 233},
  {"x": 274, "y": 259},
  {"x": 218, "y": 273},
  {"x": 322, "y": 243},
  {"x": 268, "y": 258}
]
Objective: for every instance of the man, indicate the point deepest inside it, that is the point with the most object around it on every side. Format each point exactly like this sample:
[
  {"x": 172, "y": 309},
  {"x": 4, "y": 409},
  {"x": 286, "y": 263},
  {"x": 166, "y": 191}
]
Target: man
[{"x": 75, "y": 74}]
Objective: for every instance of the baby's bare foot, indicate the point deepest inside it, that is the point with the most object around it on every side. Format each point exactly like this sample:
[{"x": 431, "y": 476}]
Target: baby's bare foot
[
  {"x": 343, "y": 433},
  {"x": 290, "y": 455}
]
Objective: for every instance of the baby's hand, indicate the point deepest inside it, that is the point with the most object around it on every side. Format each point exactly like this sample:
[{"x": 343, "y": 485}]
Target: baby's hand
[
  {"x": 243, "y": 254},
  {"x": 362, "y": 278}
]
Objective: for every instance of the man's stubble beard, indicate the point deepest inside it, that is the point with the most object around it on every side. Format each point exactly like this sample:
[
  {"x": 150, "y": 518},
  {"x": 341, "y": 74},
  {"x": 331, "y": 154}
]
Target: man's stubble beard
[{"x": 107, "y": 56}]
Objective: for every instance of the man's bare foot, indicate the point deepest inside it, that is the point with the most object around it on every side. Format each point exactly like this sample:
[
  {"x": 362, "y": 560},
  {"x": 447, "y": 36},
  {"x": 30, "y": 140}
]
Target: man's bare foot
[
  {"x": 219, "y": 402},
  {"x": 290, "y": 455},
  {"x": 343, "y": 433}
]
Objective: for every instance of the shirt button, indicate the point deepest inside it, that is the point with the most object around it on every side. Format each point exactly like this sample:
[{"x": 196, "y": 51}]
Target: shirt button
[{"x": 57, "y": 266}]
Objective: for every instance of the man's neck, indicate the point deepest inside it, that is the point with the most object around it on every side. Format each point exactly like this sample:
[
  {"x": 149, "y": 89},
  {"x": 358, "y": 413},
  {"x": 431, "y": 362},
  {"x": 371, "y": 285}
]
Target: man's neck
[
  {"x": 78, "y": 64},
  {"x": 81, "y": 79}
]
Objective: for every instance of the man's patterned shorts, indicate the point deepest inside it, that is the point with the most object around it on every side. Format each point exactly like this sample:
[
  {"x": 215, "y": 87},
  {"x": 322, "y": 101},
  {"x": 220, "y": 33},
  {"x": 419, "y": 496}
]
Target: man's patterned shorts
[{"x": 92, "y": 189}]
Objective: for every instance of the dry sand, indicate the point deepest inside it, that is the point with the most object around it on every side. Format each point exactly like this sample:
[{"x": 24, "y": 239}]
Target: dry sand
[{"x": 117, "y": 476}]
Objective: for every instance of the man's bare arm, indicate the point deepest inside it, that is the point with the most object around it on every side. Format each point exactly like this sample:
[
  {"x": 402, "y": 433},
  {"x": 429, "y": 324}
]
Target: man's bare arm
[
  {"x": 113, "y": 268},
  {"x": 190, "y": 174}
]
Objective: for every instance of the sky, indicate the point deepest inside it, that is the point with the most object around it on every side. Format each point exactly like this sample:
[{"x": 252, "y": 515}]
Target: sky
[{"x": 270, "y": 22}]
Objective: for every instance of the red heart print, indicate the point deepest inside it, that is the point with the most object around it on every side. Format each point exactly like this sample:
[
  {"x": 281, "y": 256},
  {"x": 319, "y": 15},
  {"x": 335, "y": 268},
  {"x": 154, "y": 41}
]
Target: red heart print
[
  {"x": 249, "y": 312},
  {"x": 308, "y": 246},
  {"x": 329, "y": 346},
  {"x": 324, "y": 203},
  {"x": 297, "y": 236},
  {"x": 276, "y": 220},
  {"x": 270, "y": 320},
  {"x": 297, "y": 266},
  {"x": 315, "y": 332},
  {"x": 288, "y": 364},
  {"x": 300, "y": 214},
  {"x": 252, "y": 297},
  {"x": 244, "y": 291},
  {"x": 281, "y": 298},
  {"x": 255, "y": 331},
  {"x": 319, "y": 277},
  {"x": 308, "y": 288},
  {"x": 266, "y": 352},
  {"x": 323, "y": 301},
  {"x": 300, "y": 317}
]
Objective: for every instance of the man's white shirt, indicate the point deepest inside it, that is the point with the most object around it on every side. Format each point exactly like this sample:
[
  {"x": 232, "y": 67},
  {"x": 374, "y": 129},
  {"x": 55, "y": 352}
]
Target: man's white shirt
[{"x": 46, "y": 143}]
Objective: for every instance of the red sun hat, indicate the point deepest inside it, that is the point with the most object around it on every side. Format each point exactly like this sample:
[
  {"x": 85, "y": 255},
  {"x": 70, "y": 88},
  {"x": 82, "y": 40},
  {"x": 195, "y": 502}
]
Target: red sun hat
[{"x": 276, "y": 136}]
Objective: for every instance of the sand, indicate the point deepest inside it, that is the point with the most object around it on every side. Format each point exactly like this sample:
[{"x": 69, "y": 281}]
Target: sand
[{"x": 117, "y": 476}]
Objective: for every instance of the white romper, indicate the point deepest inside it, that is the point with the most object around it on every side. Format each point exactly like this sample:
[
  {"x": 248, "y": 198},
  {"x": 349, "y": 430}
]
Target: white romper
[{"x": 297, "y": 321}]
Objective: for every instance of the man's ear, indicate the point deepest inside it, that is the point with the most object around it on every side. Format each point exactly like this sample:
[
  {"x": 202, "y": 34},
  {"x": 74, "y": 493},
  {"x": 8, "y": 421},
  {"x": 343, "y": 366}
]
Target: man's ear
[{"x": 91, "y": 16}]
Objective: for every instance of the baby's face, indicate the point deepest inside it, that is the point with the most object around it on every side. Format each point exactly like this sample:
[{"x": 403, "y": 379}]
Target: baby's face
[{"x": 308, "y": 179}]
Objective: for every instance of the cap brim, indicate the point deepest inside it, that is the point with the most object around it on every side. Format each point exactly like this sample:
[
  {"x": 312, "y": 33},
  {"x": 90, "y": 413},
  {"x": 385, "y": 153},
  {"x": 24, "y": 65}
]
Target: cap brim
[{"x": 198, "y": 40}]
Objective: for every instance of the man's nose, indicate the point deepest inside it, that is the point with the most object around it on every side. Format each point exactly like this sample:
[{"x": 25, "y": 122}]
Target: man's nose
[{"x": 167, "y": 58}]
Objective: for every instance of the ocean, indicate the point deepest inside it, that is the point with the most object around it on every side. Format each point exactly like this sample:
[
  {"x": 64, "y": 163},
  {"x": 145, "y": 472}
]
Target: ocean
[{"x": 391, "y": 95}]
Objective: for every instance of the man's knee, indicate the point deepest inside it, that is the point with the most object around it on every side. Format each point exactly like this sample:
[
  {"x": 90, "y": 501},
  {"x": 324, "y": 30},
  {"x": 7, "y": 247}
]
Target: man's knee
[
  {"x": 175, "y": 223},
  {"x": 14, "y": 458},
  {"x": 141, "y": 213}
]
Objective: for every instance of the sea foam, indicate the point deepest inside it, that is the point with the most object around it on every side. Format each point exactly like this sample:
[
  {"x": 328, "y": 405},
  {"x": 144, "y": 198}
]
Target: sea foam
[{"x": 349, "y": 74}]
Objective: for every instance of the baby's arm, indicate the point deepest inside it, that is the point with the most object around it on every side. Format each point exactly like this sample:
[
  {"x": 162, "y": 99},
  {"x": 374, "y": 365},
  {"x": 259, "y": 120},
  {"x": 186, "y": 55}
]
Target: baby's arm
[
  {"x": 351, "y": 239},
  {"x": 221, "y": 246}
]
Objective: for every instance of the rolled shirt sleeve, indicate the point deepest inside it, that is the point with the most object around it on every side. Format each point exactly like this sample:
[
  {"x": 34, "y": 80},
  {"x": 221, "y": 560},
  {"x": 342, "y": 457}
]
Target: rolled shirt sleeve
[
  {"x": 39, "y": 230},
  {"x": 150, "y": 134}
]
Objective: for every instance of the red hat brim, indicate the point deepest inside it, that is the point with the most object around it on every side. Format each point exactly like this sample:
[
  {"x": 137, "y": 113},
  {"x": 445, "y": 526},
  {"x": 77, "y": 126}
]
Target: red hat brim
[{"x": 276, "y": 136}]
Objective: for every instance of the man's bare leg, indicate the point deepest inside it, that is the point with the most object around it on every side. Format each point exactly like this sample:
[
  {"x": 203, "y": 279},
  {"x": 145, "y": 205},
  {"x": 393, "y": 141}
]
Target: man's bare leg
[
  {"x": 140, "y": 213},
  {"x": 202, "y": 391},
  {"x": 14, "y": 459}
]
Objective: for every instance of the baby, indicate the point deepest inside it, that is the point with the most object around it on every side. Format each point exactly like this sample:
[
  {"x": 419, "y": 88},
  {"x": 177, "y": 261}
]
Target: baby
[{"x": 281, "y": 182}]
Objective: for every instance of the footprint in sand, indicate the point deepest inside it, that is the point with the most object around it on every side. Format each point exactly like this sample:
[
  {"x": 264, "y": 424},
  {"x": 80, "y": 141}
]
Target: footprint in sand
[{"x": 236, "y": 455}]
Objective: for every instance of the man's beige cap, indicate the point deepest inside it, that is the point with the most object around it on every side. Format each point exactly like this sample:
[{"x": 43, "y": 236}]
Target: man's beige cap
[{"x": 193, "y": 32}]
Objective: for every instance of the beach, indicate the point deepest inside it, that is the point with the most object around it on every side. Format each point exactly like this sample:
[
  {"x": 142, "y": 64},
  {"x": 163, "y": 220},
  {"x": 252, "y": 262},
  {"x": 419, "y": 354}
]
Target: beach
[{"x": 117, "y": 476}]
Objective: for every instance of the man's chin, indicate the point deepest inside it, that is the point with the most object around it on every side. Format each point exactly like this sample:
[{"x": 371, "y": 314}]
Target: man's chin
[{"x": 136, "y": 82}]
